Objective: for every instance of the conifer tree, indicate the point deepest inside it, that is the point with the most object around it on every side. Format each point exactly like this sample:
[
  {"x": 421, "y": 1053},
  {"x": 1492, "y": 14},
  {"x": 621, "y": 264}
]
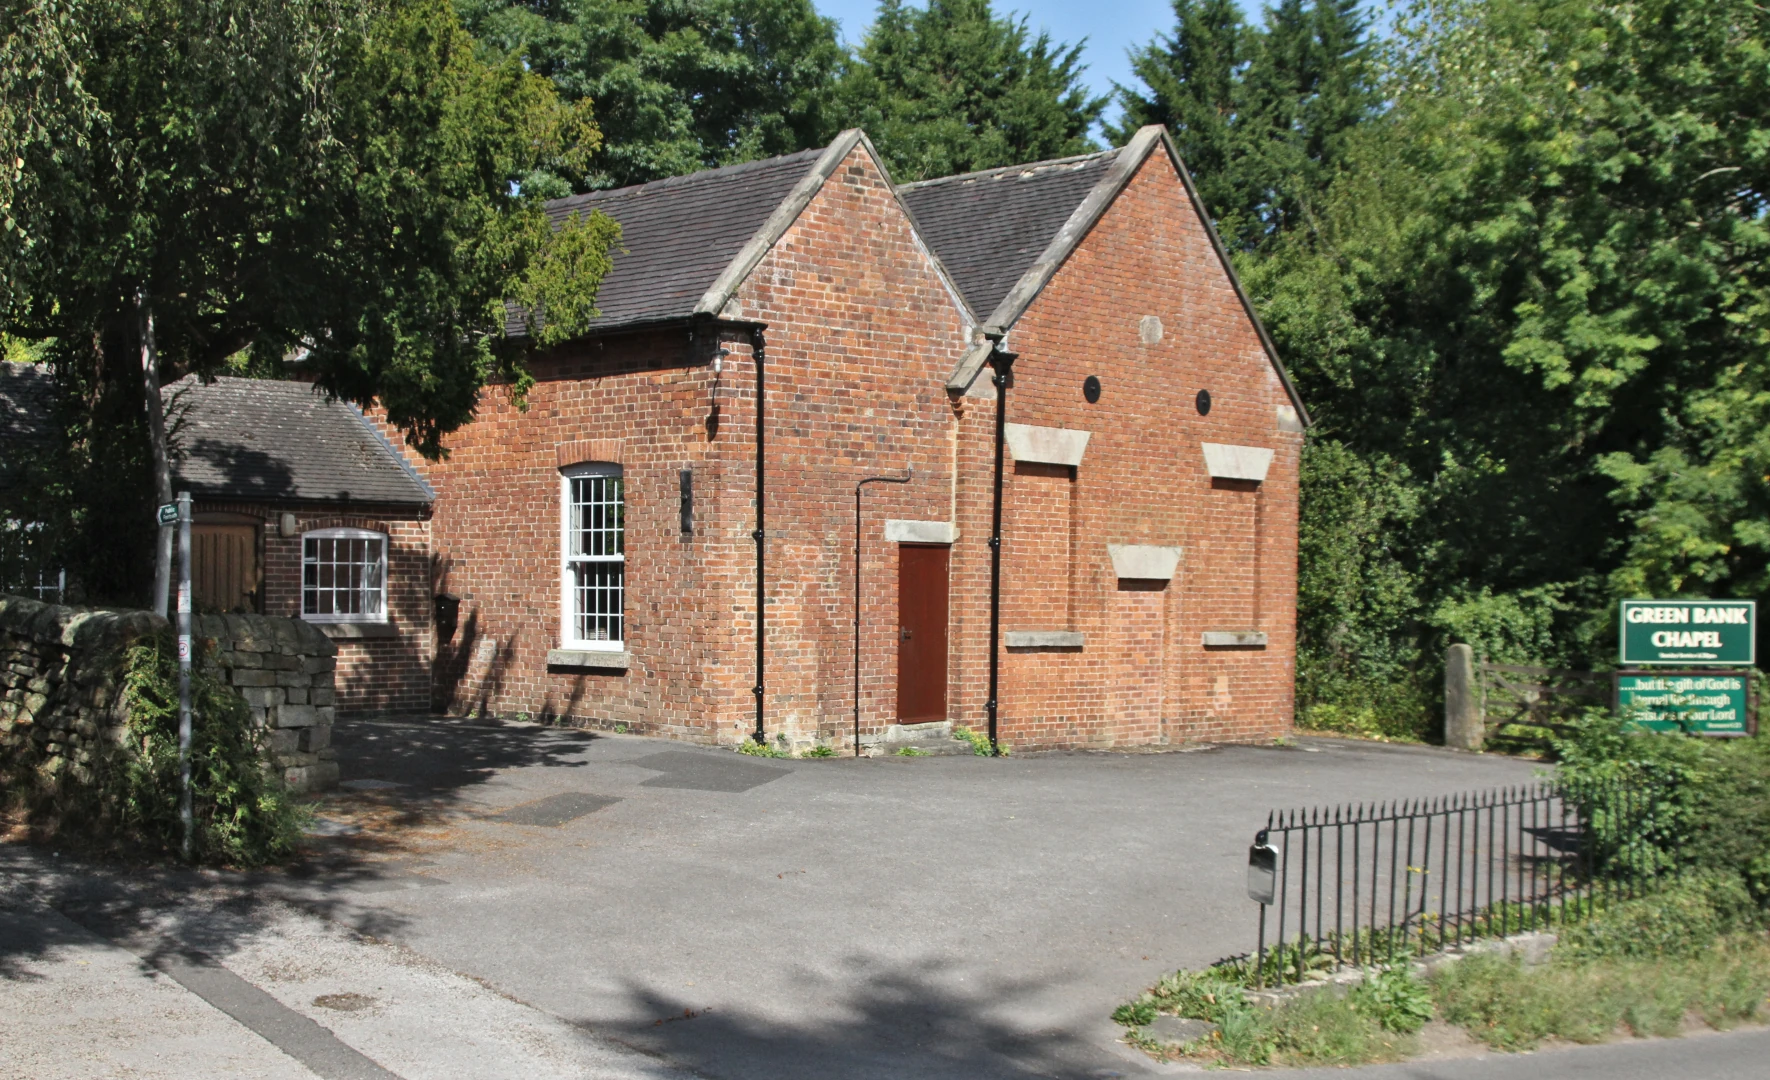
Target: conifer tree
[
  {"x": 678, "y": 85},
  {"x": 955, "y": 88},
  {"x": 1260, "y": 113}
]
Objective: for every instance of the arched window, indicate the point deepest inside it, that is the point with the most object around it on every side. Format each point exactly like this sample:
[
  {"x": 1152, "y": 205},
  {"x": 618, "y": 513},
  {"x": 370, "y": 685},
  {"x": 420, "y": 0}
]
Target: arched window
[
  {"x": 593, "y": 557},
  {"x": 344, "y": 576}
]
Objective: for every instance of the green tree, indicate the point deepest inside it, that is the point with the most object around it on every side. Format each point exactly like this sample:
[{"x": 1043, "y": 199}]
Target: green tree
[
  {"x": 678, "y": 85},
  {"x": 1537, "y": 284},
  {"x": 1261, "y": 114},
  {"x": 955, "y": 88},
  {"x": 301, "y": 178}
]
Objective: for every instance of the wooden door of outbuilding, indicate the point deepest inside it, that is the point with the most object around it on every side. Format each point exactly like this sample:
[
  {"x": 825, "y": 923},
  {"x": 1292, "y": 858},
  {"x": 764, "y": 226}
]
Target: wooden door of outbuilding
[{"x": 224, "y": 567}]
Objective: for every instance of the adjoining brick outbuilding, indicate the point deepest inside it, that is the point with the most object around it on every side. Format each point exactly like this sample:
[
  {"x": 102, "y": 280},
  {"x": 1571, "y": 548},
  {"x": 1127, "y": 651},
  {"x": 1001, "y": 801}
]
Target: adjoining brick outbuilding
[
  {"x": 302, "y": 508},
  {"x": 621, "y": 542}
]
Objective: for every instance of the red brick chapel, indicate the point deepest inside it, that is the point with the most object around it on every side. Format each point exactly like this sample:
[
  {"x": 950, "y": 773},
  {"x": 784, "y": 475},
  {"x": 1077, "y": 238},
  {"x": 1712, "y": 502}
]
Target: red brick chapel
[{"x": 604, "y": 544}]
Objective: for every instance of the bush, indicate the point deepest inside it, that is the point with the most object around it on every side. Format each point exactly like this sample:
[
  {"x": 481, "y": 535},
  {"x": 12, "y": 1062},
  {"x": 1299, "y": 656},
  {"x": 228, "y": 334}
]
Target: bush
[
  {"x": 1698, "y": 804},
  {"x": 1683, "y": 920},
  {"x": 244, "y": 815}
]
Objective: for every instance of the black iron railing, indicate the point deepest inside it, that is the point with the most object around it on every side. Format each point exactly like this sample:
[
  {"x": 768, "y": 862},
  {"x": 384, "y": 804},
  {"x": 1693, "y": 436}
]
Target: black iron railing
[{"x": 1366, "y": 883}]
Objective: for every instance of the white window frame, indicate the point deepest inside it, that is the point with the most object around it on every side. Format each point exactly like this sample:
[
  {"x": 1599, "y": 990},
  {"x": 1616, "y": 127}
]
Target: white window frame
[
  {"x": 569, "y": 561},
  {"x": 347, "y": 617}
]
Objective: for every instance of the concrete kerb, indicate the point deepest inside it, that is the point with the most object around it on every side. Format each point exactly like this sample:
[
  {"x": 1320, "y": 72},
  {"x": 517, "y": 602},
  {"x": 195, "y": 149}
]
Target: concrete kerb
[{"x": 1532, "y": 948}]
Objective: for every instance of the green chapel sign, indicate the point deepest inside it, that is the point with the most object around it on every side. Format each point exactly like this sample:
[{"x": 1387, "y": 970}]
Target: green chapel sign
[
  {"x": 1685, "y": 632},
  {"x": 1695, "y": 702}
]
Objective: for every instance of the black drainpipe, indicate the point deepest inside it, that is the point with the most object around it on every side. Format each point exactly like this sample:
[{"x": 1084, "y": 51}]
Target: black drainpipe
[
  {"x": 1003, "y": 363},
  {"x": 759, "y": 350}
]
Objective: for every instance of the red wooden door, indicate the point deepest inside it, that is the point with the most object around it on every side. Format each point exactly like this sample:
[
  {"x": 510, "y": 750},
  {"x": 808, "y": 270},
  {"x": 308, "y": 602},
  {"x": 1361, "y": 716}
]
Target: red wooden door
[{"x": 921, "y": 633}]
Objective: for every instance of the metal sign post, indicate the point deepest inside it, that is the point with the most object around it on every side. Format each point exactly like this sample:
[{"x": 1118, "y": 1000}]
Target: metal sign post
[{"x": 185, "y": 815}]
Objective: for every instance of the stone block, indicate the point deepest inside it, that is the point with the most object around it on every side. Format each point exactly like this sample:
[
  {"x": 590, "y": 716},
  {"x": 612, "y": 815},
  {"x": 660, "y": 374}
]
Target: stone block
[
  {"x": 313, "y": 665},
  {"x": 297, "y": 695},
  {"x": 1464, "y": 726},
  {"x": 315, "y": 738},
  {"x": 327, "y": 714},
  {"x": 254, "y": 677},
  {"x": 246, "y": 659},
  {"x": 262, "y": 697},
  {"x": 290, "y": 716},
  {"x": 284, "y": 742},
  {"x": 321, "y": 776},
  {"x": 280, "y": 662},
  {"x": 292, "y": 678},
  {"x": 321, "y": 695}
]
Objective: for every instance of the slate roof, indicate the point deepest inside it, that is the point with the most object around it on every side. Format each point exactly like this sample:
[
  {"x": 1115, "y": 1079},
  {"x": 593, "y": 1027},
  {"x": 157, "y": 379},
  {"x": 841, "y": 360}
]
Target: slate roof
[
  {"x": 680, "y": 234},
  {"x": 988, "y": 227},
  {"x": 266, "y": 440}
]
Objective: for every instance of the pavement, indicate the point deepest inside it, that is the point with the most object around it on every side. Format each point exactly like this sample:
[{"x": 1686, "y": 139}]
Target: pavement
[{"x": 512, "y": 900}]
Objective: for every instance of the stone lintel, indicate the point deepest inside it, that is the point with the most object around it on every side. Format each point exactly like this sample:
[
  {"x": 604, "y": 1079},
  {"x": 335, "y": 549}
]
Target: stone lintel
[
  {"x": 1046, "y": 445},
  {"x": 1226, "y": 462},
  {"x": 899, "y": 531},
  {"x": 1144, "y": 562}
]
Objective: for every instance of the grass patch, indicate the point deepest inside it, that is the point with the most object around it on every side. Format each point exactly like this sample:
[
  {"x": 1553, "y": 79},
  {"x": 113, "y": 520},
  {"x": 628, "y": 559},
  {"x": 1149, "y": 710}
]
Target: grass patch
[
  {"x": 910, "y": 751},
  {"x": 1510, "y": 1007},
  {"x": 821, "y": 750},
  {"x": 1697, "y": 948},
  {"x": 1375, "y": 1021}
]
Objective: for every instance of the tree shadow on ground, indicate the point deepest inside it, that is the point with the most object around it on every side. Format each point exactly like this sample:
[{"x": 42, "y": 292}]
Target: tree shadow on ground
[
  {"x": 889, "y": 1023},
  {"x": 160, "y": 911},
  {"x": 158, "y": 907},
  {"x": 438, "y": 756}
]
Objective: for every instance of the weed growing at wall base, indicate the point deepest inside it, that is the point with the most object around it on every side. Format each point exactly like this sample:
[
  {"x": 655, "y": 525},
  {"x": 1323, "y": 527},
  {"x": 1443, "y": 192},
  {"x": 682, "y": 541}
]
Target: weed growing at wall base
[{"x": 244, "y": 815}]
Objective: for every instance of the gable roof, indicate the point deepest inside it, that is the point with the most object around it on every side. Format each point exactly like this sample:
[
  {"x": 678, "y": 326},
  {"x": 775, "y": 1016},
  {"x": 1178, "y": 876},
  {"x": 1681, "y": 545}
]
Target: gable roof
[
  {"x": 1008, "y": 211},
  {"x": 271, "y": 440},
  {"x": 679, "y": 235},
  {"x": 689, "y": 242},
  {"x": 990, "y": 226}
]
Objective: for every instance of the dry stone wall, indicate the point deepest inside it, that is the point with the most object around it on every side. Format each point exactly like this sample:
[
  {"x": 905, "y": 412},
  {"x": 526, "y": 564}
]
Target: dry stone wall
[
  {"x": 63, "y": 713},
  {"x": 284, "y": 668}
]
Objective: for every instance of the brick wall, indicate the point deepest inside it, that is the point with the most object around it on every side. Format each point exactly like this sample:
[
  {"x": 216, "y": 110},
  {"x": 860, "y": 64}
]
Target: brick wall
[
  {"x": 375, "y": 674},
  {"x": 1142, "y": 675},
  {"x": 861, "y": 334}
]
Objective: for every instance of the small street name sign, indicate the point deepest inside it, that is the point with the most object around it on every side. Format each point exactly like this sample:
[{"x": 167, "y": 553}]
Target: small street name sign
[
  {"x": 1684, "y": 632},
  {"x": 168, "y": 514},
  {"x": 1697, "y": 702}
]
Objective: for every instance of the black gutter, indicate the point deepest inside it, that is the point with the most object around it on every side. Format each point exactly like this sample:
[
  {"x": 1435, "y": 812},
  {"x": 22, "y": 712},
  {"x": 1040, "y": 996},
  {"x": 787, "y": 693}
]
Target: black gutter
[
  {"x": 1003, "y": 363},
  {"x": 908, "y": 475},
  {"x": 759, "y": 350}
]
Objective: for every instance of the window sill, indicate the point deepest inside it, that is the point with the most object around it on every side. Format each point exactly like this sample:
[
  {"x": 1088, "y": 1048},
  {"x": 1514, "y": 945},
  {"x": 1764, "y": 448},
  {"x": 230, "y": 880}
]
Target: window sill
[
  {"x": 1043, "y": 639},
  {"x": 351, "y": 631},
  {"x": 589, "y": 658}
]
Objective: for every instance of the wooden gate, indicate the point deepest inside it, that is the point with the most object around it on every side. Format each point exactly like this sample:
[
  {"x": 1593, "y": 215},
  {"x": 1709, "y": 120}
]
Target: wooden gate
[{"x": 1521, "y": 704}]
